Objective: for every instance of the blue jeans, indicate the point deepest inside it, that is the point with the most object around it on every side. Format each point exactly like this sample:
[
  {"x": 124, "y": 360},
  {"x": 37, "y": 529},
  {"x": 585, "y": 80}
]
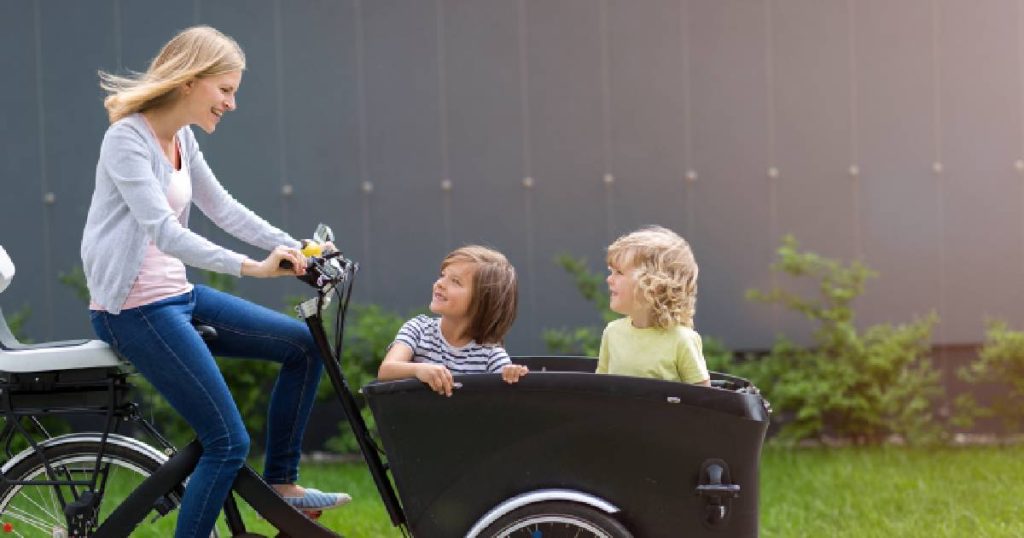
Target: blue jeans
[{"x": 159, "y": 340}]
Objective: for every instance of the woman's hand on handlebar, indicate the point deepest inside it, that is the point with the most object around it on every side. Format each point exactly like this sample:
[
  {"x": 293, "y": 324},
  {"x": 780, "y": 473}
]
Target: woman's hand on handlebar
[{"x": 271, "y": 265}]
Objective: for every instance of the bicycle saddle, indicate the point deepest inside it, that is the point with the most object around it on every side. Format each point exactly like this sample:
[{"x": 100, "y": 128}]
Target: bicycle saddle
[{"x": 65, "y": 355}]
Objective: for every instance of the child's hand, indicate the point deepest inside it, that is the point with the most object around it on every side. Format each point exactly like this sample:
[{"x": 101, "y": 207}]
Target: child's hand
[
  {"x": 437, "y": 377},
  {"x": 512, "y": 372}
]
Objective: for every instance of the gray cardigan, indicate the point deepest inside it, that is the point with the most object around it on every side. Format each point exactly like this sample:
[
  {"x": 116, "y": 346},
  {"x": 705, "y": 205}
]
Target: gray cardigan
[{"x": 129, "y": 208}]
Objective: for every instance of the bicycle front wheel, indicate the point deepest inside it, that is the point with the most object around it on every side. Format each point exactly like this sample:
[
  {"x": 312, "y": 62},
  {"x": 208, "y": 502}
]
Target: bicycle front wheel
[
  {"x": 556, "y": 519},
  {"x": 37, "y": 511}
]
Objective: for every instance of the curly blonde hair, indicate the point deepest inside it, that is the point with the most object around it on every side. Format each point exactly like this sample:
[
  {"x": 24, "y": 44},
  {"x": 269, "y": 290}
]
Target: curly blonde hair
[
  {"x": 665, "y": 272},
  {"x": 196, "y": 52}
]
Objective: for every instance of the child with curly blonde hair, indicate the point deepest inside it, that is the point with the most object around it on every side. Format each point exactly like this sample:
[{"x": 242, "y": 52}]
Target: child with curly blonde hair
[{"x": 653, "y": 282}]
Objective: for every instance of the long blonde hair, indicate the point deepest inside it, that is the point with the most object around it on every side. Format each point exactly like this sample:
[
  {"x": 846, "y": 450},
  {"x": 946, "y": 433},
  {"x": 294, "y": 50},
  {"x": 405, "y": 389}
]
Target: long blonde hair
[
  {"x": 196, "y": 52},
  {"x": 665, "y": 272}
]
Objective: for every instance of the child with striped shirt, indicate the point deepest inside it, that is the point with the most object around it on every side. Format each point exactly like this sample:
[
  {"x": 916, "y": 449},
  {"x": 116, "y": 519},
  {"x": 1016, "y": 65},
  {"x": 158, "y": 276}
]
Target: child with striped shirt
[{"x": 475, "y": 298}]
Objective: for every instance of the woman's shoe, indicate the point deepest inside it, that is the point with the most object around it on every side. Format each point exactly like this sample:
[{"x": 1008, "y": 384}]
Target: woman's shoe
[{"x": 314, "y": 500}]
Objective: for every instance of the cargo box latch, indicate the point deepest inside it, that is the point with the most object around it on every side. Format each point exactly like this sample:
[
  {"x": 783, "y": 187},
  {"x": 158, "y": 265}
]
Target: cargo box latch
[{"x": 717, "y": 490}]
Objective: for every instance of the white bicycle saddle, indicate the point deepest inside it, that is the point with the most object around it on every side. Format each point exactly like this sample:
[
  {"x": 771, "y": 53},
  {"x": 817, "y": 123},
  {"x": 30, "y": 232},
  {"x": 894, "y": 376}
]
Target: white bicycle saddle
[{"x": 67, "y": 355}]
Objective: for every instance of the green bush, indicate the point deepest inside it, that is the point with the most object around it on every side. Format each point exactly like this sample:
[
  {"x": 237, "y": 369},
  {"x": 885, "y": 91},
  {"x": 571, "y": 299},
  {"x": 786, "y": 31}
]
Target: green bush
[
  {"x": 585, "y": 341},
  {"x": 863, "y": 386},
  {"x": 16, "y": 322},
  {"x": 75, "y": 280},
  {"x": 1000, "y": 361},
  {"x": 720, "y": 358}
]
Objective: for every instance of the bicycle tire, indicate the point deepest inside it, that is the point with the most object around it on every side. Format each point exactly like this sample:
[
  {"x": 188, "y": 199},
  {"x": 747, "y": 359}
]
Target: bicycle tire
[
  {"x": 34, "y": 511},
  {"x": 556, "y": 519}
]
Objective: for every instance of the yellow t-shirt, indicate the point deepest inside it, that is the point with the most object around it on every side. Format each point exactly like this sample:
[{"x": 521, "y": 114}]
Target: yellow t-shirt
[{"x": 673, "y": 354}]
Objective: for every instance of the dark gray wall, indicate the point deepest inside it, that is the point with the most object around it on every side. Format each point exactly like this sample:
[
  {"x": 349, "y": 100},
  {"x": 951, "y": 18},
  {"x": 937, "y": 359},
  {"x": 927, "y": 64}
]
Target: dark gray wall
[{"x": 768, "y": 103}]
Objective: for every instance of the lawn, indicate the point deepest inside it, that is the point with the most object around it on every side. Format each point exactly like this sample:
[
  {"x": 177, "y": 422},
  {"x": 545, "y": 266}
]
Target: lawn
[
  {"x": 849, "y": 492},
  {"x": 893, "y": 492}
]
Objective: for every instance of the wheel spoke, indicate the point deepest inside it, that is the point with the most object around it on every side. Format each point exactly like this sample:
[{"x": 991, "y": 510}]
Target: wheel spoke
[
  {"x": 32, "y": 521},
  {"x": 24, "y": 514}
]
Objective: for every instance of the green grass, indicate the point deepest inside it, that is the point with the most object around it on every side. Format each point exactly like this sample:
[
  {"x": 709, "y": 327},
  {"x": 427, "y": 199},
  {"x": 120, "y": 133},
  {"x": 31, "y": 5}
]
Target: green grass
[
  {"x": 364, "y": 517},
  {"x": 893, "y": 492}
]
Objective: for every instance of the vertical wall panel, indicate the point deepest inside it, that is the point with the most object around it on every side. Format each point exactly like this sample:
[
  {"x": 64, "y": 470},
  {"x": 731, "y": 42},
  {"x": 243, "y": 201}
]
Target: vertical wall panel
[
  {"x": 321, "y": 130},
  {"x": 75, "y": 40},
  {"x": 732, "y": 237},
  {"x": 980, "y": 137},
  {"x": 898, "y": 189},
  {"x": 404, "y": 162},
  {"x": 812, "y": 93},
  {"x": 646, "y": 114},
  {"x": 21, "y": 208},
  {"x": 485, "y": 145},
  {"x": 565, "y": 117}
]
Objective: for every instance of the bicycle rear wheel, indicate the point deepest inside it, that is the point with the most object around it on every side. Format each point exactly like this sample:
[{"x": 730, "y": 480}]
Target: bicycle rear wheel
[{"x": 36, "y": 511}]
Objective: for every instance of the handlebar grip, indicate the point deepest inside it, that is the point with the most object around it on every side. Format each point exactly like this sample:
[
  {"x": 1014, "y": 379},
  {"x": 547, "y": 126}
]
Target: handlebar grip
[{"x": 310, "y": 249}]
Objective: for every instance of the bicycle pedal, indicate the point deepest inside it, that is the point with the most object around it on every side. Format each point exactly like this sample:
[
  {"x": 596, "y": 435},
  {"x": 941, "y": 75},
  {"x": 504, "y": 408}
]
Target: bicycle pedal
[{"x": 313, "y": 514}]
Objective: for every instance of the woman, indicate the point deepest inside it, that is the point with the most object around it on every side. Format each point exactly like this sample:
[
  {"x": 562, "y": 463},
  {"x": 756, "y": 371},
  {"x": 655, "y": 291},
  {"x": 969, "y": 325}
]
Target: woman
[{"x": 136, "y": 245}]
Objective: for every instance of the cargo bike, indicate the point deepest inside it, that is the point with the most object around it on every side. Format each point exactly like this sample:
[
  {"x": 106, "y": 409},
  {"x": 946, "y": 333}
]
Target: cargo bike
[{"x": 562, "y": 453}]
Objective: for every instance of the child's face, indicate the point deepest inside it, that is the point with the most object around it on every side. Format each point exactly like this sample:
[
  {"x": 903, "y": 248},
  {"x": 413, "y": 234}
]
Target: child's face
[
  {"x": 621, "y": 289},
  {"x": 453, "y": 290}
]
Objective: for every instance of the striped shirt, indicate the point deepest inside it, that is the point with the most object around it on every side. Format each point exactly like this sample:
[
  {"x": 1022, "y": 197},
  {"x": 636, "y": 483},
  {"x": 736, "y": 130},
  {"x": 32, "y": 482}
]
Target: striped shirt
[{"x": 423, "y": 335}]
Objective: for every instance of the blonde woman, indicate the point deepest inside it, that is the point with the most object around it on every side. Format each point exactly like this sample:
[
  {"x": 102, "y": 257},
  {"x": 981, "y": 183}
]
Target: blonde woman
[
  {"x": 135, "y": 247},
  {"x": 652, "y": 281}
]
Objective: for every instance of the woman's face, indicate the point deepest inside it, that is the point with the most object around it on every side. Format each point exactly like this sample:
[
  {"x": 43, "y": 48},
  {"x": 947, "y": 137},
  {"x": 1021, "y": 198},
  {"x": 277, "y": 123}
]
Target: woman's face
[{"x": 208, "y": 98}]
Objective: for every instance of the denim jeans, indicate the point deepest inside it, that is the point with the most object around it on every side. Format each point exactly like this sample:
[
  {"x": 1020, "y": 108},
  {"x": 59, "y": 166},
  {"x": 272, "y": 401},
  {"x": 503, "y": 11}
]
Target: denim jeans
[{"x": 159, "y": 340}]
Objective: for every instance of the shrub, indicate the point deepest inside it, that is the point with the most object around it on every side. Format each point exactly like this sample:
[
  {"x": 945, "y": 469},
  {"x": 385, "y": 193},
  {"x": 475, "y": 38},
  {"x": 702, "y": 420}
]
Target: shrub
[
  {"x": 863, "y": 386},
  {"x": 16, "y": 322},
  {"x": 1001, "y": 360},
  {"x": 585, "y": 341}
]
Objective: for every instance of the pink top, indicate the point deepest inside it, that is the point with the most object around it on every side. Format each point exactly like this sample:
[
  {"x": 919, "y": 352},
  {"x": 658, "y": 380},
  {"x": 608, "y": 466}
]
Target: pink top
[{"x": 162, "y": 276}]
